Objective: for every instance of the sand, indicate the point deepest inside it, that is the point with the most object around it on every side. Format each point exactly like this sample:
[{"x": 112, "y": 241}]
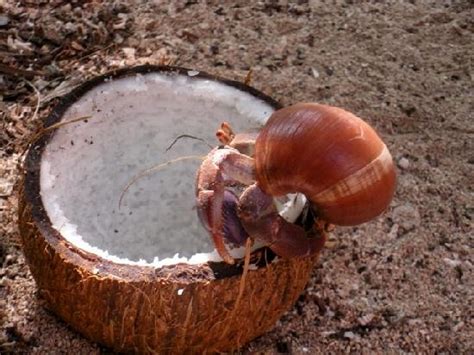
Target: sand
[{"x": 401, "y": 283}]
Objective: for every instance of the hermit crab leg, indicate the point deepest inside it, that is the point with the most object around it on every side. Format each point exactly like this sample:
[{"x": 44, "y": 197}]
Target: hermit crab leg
[
  {"x": 234, "y": 232},
  {"x": 261, "y": 220},
  {"x": 221, "y": 167},
  {"x": 209, "y": 204}
]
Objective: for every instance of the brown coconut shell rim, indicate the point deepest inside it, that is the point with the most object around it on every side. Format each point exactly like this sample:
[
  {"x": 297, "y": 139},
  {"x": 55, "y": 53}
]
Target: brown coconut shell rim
[{"x": 183, "y": 273}]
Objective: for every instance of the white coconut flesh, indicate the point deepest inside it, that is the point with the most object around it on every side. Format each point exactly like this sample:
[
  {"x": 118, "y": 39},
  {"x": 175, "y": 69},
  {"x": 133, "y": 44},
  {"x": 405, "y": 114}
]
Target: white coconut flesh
[{"x": 86, "y": 166}]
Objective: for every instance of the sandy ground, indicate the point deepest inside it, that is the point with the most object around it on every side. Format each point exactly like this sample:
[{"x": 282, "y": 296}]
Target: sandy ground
[{"x": 402, "y": 283}]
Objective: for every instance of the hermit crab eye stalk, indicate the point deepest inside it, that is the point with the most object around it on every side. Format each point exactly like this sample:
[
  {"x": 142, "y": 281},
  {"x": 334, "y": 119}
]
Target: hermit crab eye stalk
[{"x": 225, "y": 134}]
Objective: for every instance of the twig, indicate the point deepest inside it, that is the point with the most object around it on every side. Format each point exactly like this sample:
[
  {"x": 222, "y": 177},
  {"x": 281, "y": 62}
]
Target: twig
[
  {"x": 95, "y": 52},
  {"x": 42, "y": 131},
  {"x": 38, "y": 98},
  {"x": 248, "y": 245},
  {"x": 29, "y": 74},
  {"x": 230, "y": 319},
  {"x": 248, "y": 77}
]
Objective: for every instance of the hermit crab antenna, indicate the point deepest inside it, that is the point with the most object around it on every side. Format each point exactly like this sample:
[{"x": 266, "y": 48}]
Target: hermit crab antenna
[
  {"x": 153, "y": 169},
  {"x": 188, "y": 136}
]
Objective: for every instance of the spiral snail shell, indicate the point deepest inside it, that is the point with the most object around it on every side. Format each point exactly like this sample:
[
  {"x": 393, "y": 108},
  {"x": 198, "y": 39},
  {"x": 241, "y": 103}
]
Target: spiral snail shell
[{"x": 333, "y": 157}]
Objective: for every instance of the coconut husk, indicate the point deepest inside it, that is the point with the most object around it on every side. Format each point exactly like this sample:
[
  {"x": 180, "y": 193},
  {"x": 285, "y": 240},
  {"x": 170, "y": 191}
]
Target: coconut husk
[
  {"x": 183, "y": 308},
  {"x": 133, "y": 308}
]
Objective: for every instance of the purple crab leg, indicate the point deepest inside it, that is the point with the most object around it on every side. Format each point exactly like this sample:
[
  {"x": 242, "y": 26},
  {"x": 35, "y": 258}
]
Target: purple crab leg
[
  {"x": 261, "y": 220},
  {"x": 234, "y": 232}
]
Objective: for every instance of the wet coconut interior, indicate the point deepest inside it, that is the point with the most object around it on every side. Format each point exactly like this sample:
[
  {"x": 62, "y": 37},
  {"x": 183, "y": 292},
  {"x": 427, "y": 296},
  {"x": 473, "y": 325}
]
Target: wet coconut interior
[{"x": 86, "y": 165}]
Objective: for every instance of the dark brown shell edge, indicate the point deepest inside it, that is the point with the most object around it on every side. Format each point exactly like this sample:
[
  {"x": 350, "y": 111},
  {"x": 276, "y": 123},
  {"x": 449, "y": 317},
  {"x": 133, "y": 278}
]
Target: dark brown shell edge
[{"x": 133, "y": 308}]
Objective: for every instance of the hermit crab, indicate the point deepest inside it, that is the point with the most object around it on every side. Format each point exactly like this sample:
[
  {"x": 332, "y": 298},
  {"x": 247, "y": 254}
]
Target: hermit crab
[{"x": 326, "y": 153}]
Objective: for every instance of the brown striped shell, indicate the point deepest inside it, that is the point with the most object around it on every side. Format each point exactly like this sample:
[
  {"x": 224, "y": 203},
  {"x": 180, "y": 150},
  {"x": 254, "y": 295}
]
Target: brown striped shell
[{"x": 333, "y": 157}]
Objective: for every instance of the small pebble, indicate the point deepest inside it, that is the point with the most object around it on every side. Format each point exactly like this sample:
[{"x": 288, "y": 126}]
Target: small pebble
[
  {"x": 406, "y": 216},
  {"x": 458, "y": 326},
  {"x": 403, "y": 163},
  {"x": 364, "y": 320},
  {"x": 415, "y": 322},
  {"x": 10, "y": 259},
  {"x": 129, "y": 52},
  {"x": 452, "y": 262},
  {"x": 3, "y": 20},
  {"x": 349, "y": 335}
]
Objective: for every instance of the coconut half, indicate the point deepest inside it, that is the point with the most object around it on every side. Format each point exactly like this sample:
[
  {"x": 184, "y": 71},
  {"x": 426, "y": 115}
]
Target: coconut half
[{"x": 143, "y": 276}]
